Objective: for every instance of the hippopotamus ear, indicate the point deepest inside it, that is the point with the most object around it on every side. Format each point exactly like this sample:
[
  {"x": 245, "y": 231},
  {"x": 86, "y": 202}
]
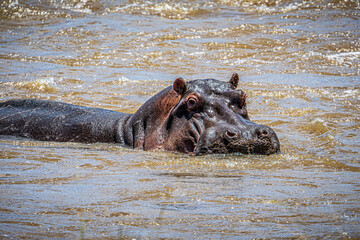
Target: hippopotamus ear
[
  {"x": 179, "y": 86},
  {"x": 234, "y": 80}
]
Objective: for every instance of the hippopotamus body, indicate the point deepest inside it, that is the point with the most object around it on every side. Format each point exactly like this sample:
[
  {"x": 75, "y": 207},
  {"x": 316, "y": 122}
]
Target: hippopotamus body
[{"x": 198, "y": 117}]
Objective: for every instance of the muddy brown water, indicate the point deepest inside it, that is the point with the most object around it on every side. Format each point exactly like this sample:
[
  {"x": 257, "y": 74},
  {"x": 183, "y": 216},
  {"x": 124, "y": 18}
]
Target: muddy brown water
[{"x": 299, "y": 65}]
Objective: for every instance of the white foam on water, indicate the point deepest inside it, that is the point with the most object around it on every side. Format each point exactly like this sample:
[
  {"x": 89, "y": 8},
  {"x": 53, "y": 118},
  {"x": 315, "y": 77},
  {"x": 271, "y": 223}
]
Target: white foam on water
[
  {"x": 345, "y": 57},
  {"x": 164, "y": 9},
  {"x": 264, "y": 6},
  {"x": 47, "y": 84},
  {"x": 77, "y": 6}
]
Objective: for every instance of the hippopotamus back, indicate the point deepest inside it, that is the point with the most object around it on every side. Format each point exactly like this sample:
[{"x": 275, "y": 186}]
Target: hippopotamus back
[{"x": 57, "y": 121}]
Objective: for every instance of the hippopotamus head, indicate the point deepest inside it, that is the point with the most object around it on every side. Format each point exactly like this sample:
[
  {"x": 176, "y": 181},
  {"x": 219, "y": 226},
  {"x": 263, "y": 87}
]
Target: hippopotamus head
[{"x": 200, "y": 117}]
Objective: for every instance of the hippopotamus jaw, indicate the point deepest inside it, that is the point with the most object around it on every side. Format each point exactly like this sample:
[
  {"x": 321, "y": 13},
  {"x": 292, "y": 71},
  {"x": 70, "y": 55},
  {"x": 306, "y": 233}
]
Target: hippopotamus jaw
[
  {"x": 260, "y": 139},
  {"x": 193, "y": 136},
  {"x": 183, "y": 138}
]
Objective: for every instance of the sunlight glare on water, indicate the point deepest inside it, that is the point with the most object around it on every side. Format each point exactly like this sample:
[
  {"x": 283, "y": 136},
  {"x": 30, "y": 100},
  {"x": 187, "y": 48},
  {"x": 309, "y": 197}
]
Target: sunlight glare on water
[{"x": 299, "y": 65}]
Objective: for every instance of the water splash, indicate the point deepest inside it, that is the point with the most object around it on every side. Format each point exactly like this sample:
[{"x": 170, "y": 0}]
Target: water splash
[{"x": 43, "y": 85}]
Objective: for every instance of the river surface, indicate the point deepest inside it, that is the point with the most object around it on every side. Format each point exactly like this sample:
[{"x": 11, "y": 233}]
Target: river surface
[{"x": 299, "y": 65}]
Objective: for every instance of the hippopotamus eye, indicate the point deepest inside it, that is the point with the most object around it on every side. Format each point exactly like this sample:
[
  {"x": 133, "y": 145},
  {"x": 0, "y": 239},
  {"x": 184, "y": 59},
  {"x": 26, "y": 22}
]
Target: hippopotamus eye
[{"x": 192, "y": 103}]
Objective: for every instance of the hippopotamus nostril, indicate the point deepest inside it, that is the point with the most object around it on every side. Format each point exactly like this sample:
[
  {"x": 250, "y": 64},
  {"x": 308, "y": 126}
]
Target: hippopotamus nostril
[
  {"x": 261, "y": 132},
  {"x": 257, "y": 132}
]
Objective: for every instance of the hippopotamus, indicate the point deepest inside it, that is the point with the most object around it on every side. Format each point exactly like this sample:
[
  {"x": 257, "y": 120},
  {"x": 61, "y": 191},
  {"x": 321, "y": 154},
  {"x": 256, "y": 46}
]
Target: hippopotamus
[{"x": 197, "y": 117}]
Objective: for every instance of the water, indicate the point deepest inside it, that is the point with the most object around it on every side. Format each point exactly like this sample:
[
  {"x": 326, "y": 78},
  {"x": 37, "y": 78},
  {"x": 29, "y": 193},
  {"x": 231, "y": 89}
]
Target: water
[{"x": 299, "y": 65}]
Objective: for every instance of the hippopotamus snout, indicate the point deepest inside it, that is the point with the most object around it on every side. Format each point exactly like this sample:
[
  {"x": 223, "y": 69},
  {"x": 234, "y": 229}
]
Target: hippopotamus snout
[{"x": 250, "y": 139}]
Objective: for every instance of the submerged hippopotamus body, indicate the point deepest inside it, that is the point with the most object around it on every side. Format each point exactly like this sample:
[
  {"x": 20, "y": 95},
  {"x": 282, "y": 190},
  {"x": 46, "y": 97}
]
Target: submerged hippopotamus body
[{"x": 198, "y": 117}]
